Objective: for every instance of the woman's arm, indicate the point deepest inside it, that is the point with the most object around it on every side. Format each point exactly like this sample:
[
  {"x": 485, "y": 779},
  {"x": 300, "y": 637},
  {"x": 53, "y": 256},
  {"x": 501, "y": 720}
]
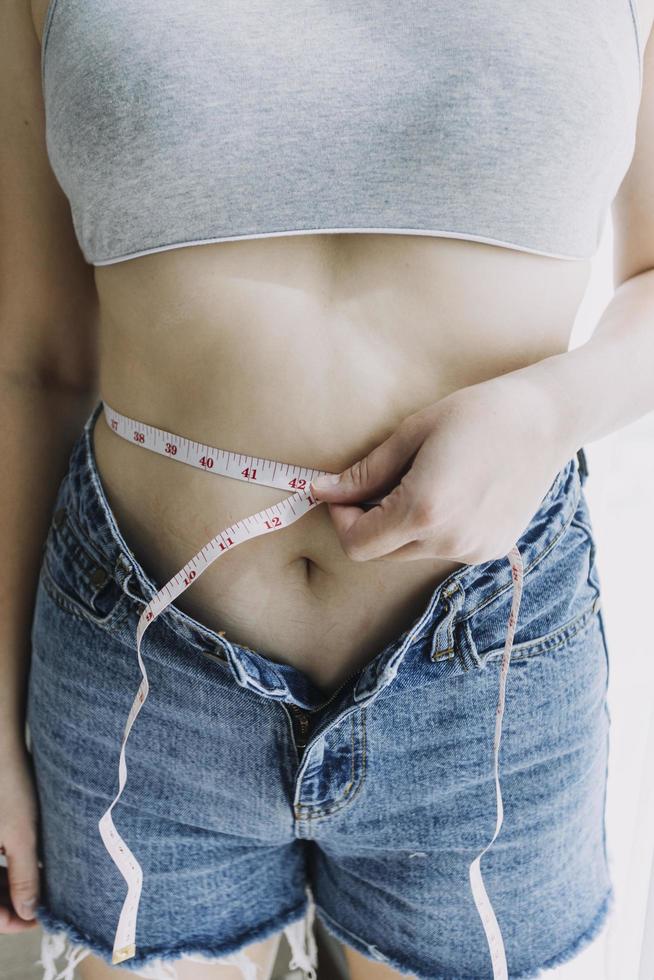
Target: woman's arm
[
  {"x": 608, "y": 382},
  {"x": 484, "y": 456},
  {"x": 48, "y": 314}
]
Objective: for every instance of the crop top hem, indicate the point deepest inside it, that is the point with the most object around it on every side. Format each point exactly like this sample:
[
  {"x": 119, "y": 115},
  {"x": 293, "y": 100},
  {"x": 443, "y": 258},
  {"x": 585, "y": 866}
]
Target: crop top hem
[{"x": 313, "y": 231}]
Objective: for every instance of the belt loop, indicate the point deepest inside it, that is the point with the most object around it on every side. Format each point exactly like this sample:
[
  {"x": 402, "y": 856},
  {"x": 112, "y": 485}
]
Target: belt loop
[
  {"x": 443, "y": 644},
  {"x": 583, "y": 465},
  {"x": 122, "y": 568},
  {"x": 124, "y": 575}
]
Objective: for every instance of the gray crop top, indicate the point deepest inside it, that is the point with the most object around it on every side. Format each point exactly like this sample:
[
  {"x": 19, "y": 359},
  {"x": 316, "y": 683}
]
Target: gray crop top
[{"x": 180, "y": 122}]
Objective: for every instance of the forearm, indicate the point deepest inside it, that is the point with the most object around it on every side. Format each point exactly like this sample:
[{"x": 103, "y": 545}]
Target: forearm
[
  {"x": 607, "y": 382},
  {"x": 39, "y": 426}
]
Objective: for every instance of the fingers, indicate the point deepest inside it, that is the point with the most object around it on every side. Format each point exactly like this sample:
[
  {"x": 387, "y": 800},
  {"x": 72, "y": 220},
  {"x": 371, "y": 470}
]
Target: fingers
[
  {"x": 19, "y": 882},
  {"x": 378, "y": 471},
  {"x": 365, "y": 535}
]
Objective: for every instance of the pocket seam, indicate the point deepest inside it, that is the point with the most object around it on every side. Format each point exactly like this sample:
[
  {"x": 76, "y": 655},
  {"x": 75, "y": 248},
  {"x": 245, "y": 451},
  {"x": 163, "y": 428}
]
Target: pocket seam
[
  {"x": 83, "y": 542},
  {"x": 114, "y": 617},
  {"x": 539, "y": 557},
  {"x": 552, "y": 641}
]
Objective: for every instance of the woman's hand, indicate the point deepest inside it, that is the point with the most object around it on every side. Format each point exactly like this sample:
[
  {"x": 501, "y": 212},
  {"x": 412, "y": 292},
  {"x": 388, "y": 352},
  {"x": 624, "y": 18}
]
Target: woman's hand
[
  {"x": 480, "y": 462},
  {"x": 19, "y": 881}
]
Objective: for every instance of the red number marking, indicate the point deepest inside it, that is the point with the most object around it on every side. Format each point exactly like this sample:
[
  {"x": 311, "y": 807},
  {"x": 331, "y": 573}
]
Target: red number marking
[
  {"x": 189, "y": 578},
  {"x": 206, "y": 461},
  {"x": 246, "y": 474},
  {"x": 297, "y": 483},
  {"x": 224, "y": 547},
  {"x": 276, "y": 522},
  {"x": 114, "y": 424},
  {"x": 171, "y": 448},
  {"x": 139, "y": 437}
]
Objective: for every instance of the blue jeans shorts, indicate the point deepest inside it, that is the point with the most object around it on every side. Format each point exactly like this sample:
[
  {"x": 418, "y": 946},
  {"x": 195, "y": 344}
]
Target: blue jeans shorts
[{"x": 256, "y": 802}]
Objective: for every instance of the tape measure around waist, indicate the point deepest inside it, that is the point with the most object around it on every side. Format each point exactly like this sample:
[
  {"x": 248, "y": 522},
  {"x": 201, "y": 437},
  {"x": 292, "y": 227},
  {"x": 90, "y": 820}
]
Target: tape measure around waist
[{"x": 297, "y": 479}]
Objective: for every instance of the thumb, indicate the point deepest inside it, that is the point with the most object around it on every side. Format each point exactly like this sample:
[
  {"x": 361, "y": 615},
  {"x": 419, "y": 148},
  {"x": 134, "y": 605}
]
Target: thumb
[
  {"x": 23, "y": 874},
  {"x": 377, "y": 472}
]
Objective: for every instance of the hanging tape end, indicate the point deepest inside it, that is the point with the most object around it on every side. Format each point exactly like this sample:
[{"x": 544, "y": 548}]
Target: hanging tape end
[{"x": 124, "y": 953}]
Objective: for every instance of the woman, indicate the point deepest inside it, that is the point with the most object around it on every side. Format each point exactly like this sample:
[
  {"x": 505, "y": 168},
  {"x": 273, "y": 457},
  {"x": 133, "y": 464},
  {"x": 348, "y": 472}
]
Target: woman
[{"x": 353, "y": 240}]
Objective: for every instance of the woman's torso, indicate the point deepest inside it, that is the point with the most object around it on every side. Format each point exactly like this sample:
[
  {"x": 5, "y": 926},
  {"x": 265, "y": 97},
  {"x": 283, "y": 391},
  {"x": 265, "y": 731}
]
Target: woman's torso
[{"x": 307, "y": 349}]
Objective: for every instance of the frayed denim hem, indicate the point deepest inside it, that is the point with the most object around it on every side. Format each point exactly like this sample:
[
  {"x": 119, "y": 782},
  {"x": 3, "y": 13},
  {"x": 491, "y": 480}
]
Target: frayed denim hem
[
  {"x": 60, "y": 936},
  {"x": 593, "y": 930},
  {"x": 374, "y": 953}
]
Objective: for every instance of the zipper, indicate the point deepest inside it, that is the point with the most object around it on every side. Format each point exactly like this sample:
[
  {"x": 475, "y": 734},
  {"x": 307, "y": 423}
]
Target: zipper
[
  {"x": 301, "y": 718},
  {"x": 300, "y": 725}
]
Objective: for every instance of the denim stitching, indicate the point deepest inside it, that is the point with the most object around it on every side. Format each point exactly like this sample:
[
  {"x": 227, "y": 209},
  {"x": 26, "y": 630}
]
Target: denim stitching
[
  {"x": 452, "y": 583},
  {"x": 65, "y": 532},
  {"x": 175, "y": 621},
  {"x": 542, "y": 554},
  {"x": 349, "y": 785},
  {"x": 291, "y": 733},
  {"x": 541, "y": 644},
  {"x": 588, "y": 531},
  {"x": 72, "y": 522},
  {"x": 113, "y": 619},
  {"x": 544, "y": 644},
  {"x": 138, "y": 605},
  {"x": 312, "y": 813}
]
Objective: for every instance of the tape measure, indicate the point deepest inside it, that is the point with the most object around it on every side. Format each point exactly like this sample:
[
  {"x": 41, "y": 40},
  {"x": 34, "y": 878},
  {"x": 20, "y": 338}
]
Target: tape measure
[{"x": 297, "y": 479}]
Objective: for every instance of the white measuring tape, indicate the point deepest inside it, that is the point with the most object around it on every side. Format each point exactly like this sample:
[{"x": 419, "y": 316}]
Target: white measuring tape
[{"x": 286, "y": 477}]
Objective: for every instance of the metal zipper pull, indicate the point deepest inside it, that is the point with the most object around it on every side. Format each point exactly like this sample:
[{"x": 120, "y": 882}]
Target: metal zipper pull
[
  {"x": 300, "y": 725},
  {"x": 301, "y": 720}
]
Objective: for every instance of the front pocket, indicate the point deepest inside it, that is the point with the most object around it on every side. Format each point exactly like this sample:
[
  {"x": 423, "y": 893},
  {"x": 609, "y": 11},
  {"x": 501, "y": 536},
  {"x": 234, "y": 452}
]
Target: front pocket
[
  {"x": 77, "y": 577},
  {"x": 560, "y": 596},
  {"x": 557, "y": 639}
]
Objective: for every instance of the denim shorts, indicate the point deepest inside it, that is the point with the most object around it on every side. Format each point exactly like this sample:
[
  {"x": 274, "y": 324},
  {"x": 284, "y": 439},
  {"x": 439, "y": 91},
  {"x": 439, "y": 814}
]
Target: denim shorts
[{"x": 256, "y": 802}]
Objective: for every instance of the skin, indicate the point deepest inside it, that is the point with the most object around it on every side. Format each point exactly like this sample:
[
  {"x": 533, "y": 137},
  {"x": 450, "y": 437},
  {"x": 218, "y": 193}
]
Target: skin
[{"x": 315, "y": 349}]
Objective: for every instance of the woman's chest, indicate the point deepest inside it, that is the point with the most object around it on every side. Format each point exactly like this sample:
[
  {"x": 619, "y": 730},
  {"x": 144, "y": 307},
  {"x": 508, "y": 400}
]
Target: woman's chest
[{"x": 171, "y": 123}]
